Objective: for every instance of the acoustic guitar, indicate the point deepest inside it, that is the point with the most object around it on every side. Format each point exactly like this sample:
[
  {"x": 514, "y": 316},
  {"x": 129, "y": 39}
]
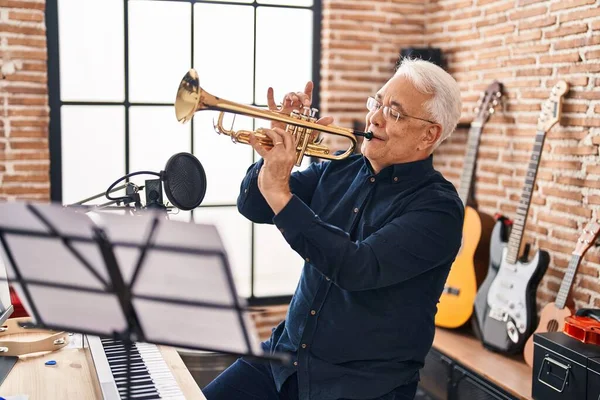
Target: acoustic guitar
[
  {"x": 553, "y": 315},
  {"x": 505, "y": 304},
  {"x": 470, "y": 266}
]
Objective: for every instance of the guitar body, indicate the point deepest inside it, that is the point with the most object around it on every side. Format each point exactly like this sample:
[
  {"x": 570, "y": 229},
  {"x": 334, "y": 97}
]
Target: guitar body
[
  {"x": 497, "y": 243},
  {"x": 552, "y": 319},
  {"x": 468, "y": 271},
  {"x": 509, "y": 315}
]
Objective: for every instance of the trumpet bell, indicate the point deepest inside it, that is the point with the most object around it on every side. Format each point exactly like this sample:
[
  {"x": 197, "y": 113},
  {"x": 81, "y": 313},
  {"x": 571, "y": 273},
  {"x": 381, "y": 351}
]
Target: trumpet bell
[{"x": 188, "y": 97}]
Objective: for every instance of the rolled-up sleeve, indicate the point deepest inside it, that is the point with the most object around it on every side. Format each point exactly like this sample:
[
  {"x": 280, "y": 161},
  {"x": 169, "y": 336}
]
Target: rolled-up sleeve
[{"x": 420, "y": 239}]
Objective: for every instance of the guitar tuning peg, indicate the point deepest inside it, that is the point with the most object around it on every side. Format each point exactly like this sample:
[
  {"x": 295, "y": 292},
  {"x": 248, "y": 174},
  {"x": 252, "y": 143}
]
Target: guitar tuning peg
[
  {"x": 491, "y": 110},
  {"x": 495, "y": 102},
  {"x": 498, "y": 94},
  {"x": 476, "y": 109}
]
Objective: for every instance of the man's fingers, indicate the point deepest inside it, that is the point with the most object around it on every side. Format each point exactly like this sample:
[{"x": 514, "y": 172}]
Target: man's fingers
[
  {"x": 308, "y": 90},
  {"x": 257, "y": 146},
  {"x": 325, "y": 120},
  {"x": 271, "y": 99},
  {"x": 286, "y": 137},
  {"x": 274, "y": 136}
]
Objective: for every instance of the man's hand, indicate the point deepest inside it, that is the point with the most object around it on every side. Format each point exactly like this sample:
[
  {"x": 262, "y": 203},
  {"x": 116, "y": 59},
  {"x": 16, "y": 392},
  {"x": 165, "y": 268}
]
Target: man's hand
[
  {"x": 291, "y": 101},
  {"x": 294, "y": 101},
  {"x": 274, "y": 176}
]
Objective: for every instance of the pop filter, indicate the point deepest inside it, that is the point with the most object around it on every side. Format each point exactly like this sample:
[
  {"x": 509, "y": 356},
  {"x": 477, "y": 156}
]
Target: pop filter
[{"x": 184, "y": 181}]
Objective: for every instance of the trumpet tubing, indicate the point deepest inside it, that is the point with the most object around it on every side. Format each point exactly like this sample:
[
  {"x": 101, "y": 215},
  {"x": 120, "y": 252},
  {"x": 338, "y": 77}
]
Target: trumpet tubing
[{"x": 301, "y": 125}]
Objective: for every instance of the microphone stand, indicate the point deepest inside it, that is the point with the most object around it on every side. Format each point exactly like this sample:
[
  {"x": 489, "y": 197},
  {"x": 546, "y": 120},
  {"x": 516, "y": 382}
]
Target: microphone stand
[{"x": 131, "y": 194}]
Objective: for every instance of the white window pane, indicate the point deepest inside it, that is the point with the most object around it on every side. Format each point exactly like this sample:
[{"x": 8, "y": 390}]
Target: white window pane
[
  {"x": 159, "y": 49},
  {"x": 235, "y": 232},
  {"x": 298, "y": 3},
  {"x": 154, "y": 136},
  {"x": 225, "y": 162},
  {"x": 225, "y": 61},
  {"x": 91, "y": 50},
  {"x": 276, "y": 266},
  {"x": 292, "y": 67},
  {"x": 93, "y": 150}
]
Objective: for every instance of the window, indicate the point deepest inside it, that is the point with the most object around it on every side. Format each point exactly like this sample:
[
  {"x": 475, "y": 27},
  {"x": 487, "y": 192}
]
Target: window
[{"x": 114, "y": 69}]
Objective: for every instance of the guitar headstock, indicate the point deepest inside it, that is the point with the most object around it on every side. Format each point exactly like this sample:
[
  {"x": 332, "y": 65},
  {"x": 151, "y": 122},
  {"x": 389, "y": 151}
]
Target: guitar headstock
[
  {"x": 552, "y": 108},
  {"x": 587, "y": 238},
  {"x": 488, "y": 101}
]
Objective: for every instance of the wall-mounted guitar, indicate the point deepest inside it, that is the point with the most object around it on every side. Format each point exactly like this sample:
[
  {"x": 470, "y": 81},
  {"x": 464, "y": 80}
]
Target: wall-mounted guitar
[
  {"x": 552, "y": 317},
  {"x": 505, "y": 305},
  {"x": 470, "y": 266}
]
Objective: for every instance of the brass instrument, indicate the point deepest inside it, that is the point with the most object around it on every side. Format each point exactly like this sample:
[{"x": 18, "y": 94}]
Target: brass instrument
[{"x": 191, "y": 98}]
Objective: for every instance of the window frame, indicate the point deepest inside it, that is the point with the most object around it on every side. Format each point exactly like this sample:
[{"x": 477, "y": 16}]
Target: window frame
[{"x": 55, "y": 103}]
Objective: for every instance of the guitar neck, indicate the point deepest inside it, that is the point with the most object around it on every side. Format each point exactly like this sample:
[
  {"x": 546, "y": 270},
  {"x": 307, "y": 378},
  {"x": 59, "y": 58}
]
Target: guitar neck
[
  {"x": 516, "y": 234},
  {"x": 466, "y": 179},
  {"x": 567, "y": 282}
]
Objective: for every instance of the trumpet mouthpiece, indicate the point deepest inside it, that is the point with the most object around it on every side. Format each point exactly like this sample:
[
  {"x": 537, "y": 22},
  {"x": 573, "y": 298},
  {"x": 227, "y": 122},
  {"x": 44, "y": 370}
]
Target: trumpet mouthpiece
[{"x": 367, "y": 135}]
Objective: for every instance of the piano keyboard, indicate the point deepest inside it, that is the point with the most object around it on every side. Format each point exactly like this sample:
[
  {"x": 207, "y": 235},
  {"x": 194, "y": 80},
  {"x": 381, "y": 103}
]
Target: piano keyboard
[{"x": 150, "y": 375}]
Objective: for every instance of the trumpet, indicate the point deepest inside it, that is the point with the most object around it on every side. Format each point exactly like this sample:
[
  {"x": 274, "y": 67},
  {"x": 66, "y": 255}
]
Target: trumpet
[{"x": 301, "y": 124}]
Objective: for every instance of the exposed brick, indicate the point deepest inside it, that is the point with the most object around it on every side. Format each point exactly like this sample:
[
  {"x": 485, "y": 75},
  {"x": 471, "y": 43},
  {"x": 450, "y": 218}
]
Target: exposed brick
[
  {"x": 592, "y": 54},
  {"x": 576, "y": 43},
  {"x": 560, "y": 58},
  {"x": 561, "y": 5},
  {"x": 570, "y": 209},
  {"x": 579, "y": 150},
  {"x": 565, "y": 194},
  {"x": 524, "y": 37},
  {"x": 22, "y": 4},
  {"x": 537, "y": 23},
  {"x": 580, "y": 15},
  {"x": 520, "y": 13},
  {"x": 557, "y": 220},
  {"x": 26, "y": 16}
]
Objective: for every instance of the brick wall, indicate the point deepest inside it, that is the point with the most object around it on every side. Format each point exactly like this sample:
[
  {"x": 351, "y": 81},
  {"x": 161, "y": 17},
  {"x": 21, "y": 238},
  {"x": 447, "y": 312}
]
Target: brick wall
[
  {"x": 526, "y": 44},
  {"x": 24, "y": 157},
  {"x": 529, "y": 45}
]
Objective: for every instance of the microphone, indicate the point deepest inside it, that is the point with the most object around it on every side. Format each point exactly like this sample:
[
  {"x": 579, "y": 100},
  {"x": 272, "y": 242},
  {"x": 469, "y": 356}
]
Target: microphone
[{"x": 184, "y": 182}]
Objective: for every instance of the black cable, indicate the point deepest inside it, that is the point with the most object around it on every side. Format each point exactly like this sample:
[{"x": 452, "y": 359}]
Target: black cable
[{"x": 107, "y": 194}]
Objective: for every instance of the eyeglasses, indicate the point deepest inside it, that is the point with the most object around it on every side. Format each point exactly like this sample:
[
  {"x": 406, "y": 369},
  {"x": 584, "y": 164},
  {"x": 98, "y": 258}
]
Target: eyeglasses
[{"x": 389, "y": 113}]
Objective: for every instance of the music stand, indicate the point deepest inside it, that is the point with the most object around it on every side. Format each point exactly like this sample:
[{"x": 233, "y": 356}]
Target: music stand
[{"x": 132, "y": 278}]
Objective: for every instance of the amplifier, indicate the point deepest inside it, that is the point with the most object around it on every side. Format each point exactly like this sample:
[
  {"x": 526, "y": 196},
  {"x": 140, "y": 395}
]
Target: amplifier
[{"x": 564, "y": 368}]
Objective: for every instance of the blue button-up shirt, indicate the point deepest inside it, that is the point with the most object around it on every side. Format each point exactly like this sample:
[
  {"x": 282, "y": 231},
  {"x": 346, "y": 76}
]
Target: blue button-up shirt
[{"x": 377, "y": 251}]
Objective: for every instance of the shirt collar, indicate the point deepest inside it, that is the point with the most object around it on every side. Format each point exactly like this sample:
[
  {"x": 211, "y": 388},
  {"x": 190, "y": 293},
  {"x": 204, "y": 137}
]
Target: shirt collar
[{"x": 399, "y": 172}]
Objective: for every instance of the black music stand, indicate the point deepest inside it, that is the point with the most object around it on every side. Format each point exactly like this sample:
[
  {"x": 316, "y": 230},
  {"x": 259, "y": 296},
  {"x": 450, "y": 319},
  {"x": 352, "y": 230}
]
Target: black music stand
[{"x": 132, "y": 278}]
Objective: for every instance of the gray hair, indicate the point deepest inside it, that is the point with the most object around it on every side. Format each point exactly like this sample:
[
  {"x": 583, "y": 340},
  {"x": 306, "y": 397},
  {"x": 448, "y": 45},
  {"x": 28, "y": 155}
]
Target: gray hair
[{"x": 445, "y": 106}]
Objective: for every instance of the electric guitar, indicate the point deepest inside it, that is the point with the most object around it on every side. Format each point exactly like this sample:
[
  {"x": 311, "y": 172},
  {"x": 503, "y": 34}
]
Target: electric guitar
[
  {"x": 470, "y": 266},
  {"x": 552, "y": 317},
  {"x": 505, "y": 304}
]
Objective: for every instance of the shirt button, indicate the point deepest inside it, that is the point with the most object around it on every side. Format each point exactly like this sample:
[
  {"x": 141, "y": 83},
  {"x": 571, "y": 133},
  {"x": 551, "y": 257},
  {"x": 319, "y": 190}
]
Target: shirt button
[
  {"x": 303, "y": 345},
  {"x": 245, "y": 190},
  {"x": 307, "y": 259},
  {"x": 313, "y": 312},
  {"x": 327, "y": 278},
  {"x": 281, "y": 230},
  {"x": 356, "y": 209},
  {"x": 372, "y": 179},
  {"x": 395, "y": 179},
  {"x": 296, "y": 363}
]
